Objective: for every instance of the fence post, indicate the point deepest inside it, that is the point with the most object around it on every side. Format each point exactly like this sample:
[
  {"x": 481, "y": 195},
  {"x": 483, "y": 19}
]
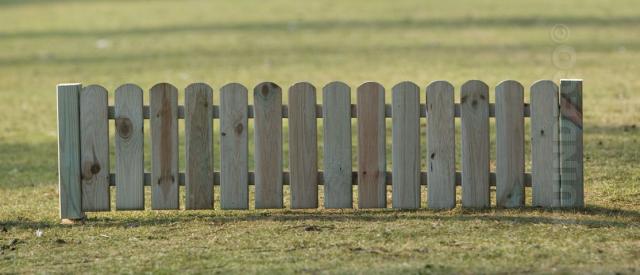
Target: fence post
[
  {"x": 571, "y": 156},
  {"x": 68, "y": 96}
]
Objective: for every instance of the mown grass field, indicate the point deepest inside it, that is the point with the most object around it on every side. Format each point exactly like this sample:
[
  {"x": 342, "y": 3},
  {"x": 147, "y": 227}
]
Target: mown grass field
[{"x": 44, "y": 42}]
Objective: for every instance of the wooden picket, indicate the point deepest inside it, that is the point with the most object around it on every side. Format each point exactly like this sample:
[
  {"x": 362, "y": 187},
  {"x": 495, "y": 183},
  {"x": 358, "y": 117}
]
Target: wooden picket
[
  {"x": 556, "y": 177},
  {"x": 163, "y": 99}
]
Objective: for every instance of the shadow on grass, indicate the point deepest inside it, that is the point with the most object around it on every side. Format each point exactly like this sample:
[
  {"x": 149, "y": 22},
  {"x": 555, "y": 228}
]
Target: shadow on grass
[{"x": 525, "y": 216}]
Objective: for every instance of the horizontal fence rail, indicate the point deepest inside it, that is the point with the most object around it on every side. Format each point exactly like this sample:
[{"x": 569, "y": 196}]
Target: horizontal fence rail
[{"x": 555, "y": 112}]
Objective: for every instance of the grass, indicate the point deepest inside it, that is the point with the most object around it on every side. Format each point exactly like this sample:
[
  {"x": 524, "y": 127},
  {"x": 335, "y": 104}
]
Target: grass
[{"x": 44, "y": 42}]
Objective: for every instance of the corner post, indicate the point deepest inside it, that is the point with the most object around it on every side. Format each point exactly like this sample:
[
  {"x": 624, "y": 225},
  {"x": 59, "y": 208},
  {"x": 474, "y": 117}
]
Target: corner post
[
  {"x": 571, "y": 146},
  {"x": 68, "y": 97}
]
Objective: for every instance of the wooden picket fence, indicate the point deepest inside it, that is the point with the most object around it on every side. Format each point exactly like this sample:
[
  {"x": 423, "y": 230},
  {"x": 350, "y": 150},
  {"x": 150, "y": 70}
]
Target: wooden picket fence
[{"x": 556, "y": 145}]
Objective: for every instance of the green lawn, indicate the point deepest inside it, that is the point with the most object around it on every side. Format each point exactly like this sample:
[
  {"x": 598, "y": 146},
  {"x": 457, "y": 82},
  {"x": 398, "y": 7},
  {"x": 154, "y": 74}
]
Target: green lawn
[{"x": 44, "y": 42}]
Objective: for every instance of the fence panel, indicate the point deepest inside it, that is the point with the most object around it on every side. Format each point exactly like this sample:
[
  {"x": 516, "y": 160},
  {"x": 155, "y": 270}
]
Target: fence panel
[
  {"x": 129, "y": 148},
  {"x": 163, "y": 99},
  {"x": 406, "y": 146},
  {"x": 474, "y": 124},
  {"x": 441, "y": 162},
  {"x": 267, "y": 99},
  {"x": 234, "y": 171},
  {"x": 372, "y": 189},
  {"x": 510, "y": 144},
  {"x": 336, "y": 113},
  {"x": 556, "y": 138},
  {"x": 198, "y": 139},
  {"x": 544, "y": 144},
  {"x": 94, "y": 148}
]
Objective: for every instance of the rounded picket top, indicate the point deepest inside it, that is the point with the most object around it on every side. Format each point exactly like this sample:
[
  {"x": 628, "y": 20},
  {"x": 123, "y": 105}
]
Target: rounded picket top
[
  {"x": 128, "y": 88},
  {"x": 475, "y": 90},
  {"x": 371, "y": 86},
  {"x": 130, "y": 91},
  {"x": 234, "y": 87},
  {"x": 544, "y": 85},
  {"x": 509, "y": 85},
  {"x": 94, "y": 90},
  {"x": 473, "y": 85},
  {"x": 336, "y": 86},
  {"x": 199, "y": 86},
  {"x": 266, "y": 89},
  {"x": 302, "y": 86},
  {"x": 405, "y": 86},
  {"x": 162, "y": 87},
  {"x": 440, "y": 85}
]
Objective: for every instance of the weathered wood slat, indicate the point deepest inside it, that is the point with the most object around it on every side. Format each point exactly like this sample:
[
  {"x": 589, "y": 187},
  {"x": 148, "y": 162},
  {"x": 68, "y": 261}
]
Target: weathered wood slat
[
  {"x": 406, "y": 146},
  {"x": 267, "y": 98},
  {"x": 69, "y": 151},
  {"x": 163, "y": 100},
  {"x": 544, "y": 144},
  {"x": 303, "y": 146},
  {"x": 441, "y": 164},
  {"x": 509, "y": 144},
  {"x": 198, "y": 140},
  {"x": 129, "y": 148},
  {"x": 234, "y": 169},
  {"x": 474, "y": 123},
  {"x": 571, "y": 147},
  {"x": 372, "y": 191},
  {"x": 94, "y": 138},
  {"x": 336, "y": 99},
  {"x": 354, "y": 178}
]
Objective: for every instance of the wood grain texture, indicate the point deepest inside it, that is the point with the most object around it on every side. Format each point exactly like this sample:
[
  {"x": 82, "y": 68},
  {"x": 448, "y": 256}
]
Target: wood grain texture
[
  {"x": 129, "y": 148},
  {"x": 545, "y": 170},
  {"x": 234, "y": 183},
  {"x": 198, "y": 141},
  {"x": 336, "y": 113},
  {"x": 372, "y": 191},
  {"x": 406, "y": 146},
  {"x": 94, "y": 139},
  {"x": 69, "y": 151},
  {"x": 509, "y": 144},
  {"x": 474, "y": 123},
  {"x": 303, "y": 146},
  {"x": 267, "y": 133},
  {"x": 441, "y": 163},
  {"x": 163, "y": 105},
  {"x": 571, "y": 146}
]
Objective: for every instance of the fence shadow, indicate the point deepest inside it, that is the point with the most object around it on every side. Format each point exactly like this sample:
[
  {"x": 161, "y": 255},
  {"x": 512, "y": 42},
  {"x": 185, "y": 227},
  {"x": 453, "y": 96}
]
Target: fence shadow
[{"x": 524, "y": 216}]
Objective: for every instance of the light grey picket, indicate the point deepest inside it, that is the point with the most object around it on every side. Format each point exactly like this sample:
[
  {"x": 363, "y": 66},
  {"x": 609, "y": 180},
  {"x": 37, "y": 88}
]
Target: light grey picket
[
  {"x": 163, "y": 108},
  {"x": 441, "y": 163},
  {"x": 474, "y": 122},
  {"x": 198, "y": 137},
  {"x": 406, "y": 146},
  {"x": 267, "y": 132},
  {"x": 129, "y": 148},
  {"x": 303, "y": 146},
  {"x": 94, "y": 148},
  {"x": 509, "y": 144},
  {"x": 372, "y": 189},
  {"x": 234, "y": 183},
  {"x": 336, "y": 113},
  {"x": 571, "y": 146},
  {"x": 69, "y": 151},
  {"x": 545, "y": 166}
]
